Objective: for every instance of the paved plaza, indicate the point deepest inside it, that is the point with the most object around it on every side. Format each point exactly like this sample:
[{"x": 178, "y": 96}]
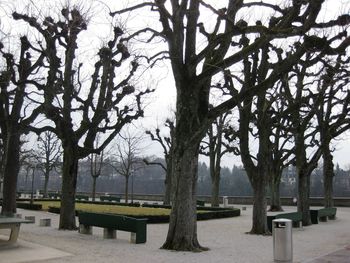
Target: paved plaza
[{"x": 226, "y": 238}]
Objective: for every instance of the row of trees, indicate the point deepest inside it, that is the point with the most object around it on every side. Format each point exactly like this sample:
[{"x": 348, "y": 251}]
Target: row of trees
[
  {"x": 288, "y": 84},
  {"x": 150, "y": 180},
  {"x": 271, "y": 84}
]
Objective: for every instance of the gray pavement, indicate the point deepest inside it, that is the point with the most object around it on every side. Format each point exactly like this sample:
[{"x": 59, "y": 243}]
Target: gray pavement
[{"x": 226, "y": 238}]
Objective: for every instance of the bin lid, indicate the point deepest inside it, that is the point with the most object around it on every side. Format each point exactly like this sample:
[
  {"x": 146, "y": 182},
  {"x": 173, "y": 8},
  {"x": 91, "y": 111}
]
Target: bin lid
[{"x": 281, "y": 220}]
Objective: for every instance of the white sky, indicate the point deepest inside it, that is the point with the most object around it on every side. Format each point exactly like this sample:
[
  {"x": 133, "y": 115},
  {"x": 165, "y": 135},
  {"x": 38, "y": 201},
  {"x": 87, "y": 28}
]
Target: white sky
[{"x": 163, "y": 100}]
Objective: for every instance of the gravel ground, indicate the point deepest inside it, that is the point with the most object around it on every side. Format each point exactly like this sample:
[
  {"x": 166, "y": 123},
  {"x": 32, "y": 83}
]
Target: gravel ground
[{"x": 226, "y": 239}]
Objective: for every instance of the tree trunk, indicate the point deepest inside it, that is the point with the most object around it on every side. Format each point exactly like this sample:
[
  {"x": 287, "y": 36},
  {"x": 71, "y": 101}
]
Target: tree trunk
[
  {"x": 328, "y": 175},
  {"x": 191, "y": 111},
  {"x": 126, "y": 189},
  {"x": 69, "y": 183},
  {"x": 182, "y": 233},
  {"x": 215, "y": 189},
  {"x": 167, "y": 193},
  {"x": 259, "y": 226},
  {"x": 11, "y": 169},
  {"x": 275, "y": 200},
  {"x": 94, "y": 179},
  {"x": 304, "y": 197},
  {"x": 46, "y": 183}
]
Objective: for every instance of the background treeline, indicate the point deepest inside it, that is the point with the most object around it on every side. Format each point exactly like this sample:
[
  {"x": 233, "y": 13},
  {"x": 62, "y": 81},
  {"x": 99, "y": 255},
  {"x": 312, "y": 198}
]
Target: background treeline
[{"x": 150, "y": 180}]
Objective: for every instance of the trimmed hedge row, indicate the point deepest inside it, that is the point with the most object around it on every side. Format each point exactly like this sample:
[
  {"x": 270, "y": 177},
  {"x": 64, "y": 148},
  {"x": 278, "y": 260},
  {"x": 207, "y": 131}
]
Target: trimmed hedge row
[
  {"x": 29, "y": 206},
  {"x": 213, "y": 213}
]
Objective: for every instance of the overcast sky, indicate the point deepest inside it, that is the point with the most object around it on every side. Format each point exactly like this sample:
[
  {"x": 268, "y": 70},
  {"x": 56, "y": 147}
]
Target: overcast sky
[{"x": 163, "y": 100}]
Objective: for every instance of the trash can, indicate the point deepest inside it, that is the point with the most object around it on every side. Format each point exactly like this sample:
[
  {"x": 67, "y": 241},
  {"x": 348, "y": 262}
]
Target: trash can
[
  {"x": 282, "y": 240},
  {"x": 225, "y": 201}
]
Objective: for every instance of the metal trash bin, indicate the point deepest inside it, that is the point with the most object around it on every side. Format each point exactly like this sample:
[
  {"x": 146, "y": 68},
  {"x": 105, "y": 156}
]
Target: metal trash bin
[
  {"x": 282, "y": 240},
  {"x": 225, "y": 201}
]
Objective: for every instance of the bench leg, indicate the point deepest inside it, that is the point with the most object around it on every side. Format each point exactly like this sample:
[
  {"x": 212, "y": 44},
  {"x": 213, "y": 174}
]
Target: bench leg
[
  {"x": 109, "y": 233},
  {"x": 323, "y": 219},
  {"x": 332, "y": 217},
  {"x": 133, "y": 238},
  {"x": 45, "y": 222},
  {"x": 138, "y": 238},
  {"x": 87, "y": 230},
  {"x": 14, "y": 234},
  {"x": 12, "y": 238}
]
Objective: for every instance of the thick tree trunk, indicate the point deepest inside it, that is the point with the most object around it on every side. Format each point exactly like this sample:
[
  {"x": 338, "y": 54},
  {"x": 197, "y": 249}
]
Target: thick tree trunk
[
  {"x": 69, "y": 183},
  {"x": 215, "y": 188},
  {"x": 275, "y": 200},
  {"x": 328, "y": 175},
  {"x": 259, "y": 207},
  {"x": 11, "y": 169},
  {"x": 182, "y": 233},
  {"x": 94, "y": 179},
  {"x": 126, "y": 191},
  {"x": 167, "y": 193},
  {"x": 304, "y": 197}
]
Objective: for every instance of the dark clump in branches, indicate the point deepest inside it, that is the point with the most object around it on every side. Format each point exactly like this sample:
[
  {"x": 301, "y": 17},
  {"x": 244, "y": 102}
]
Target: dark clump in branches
[{"x": 80, "y": 111}]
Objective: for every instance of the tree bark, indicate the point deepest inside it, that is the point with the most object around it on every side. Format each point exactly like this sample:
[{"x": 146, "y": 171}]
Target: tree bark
[
  {"x": 11, "y": 169},
  {"x": 259, "y": 225},
  {"x": 94, "y": 179},
  {"x": 215, "y": 188},
  {"x": 182, "y": 233},
  {"x": 167, "y": 193},
  {"x": 275, "y": 200},
  {"x": 191, "y": 112},
  {"x": 46, "y": 183},
  {"x": 126, "y": 189},
  {"x": 304, "y": 196},
  {"x": 69, "y": 182},
  {"x": 328, "y": 175}
]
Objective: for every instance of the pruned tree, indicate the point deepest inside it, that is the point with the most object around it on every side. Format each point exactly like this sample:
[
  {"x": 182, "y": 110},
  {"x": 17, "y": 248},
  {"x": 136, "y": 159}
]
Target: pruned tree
[
  {"x": 165, "y": 142},
  {"x": 17, "y": 110},
  {"x": 79, "y": 111},
  {"x": 281, "y": 151},
  {"x": 47, "y": 155},
  {"x": 197, "y": 53},
  {"x": 333, "y": 116},
  {"x": 303, "y": 103}
]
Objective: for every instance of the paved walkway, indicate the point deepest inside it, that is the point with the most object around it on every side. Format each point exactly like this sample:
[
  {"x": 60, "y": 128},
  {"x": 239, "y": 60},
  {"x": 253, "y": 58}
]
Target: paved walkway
[
  {"x": 339, "y": 256},
  {"x": 226, "y": 238}
]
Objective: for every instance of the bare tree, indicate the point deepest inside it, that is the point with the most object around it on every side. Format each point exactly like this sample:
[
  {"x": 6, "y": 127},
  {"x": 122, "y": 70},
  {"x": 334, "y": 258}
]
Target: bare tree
[
  {"x": 48, "y": 155},
  {"x": 197, "y": 54},
  {"x": 333, "y": 116},
  {"x": 165, "y": 142},
  {"x": 18, "y": 69},
  {"x": 80, "y": 111},
  {"x": 96, "y": 164},
  {"x": 215, "y": 147},
  {"x": 128, "y": 160}
]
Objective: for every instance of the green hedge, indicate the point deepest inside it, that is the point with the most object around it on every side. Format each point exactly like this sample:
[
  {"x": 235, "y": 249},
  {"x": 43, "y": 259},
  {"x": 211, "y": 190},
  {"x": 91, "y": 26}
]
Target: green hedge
[{"x": 29, "y": 206}]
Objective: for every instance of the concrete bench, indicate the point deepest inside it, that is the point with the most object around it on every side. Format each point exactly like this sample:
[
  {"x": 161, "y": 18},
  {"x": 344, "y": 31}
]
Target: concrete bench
[
  {"x": 12, "y": 223},
  {"x": 54, "y": 196},
  {"x": 200, "y": 203},
  {"x": 111, "y": 223},
  {"x": 322, "y": 214},
  {"x": 110, "y": 198},
  {"x": 82, "y": 197},
  {"x": 296, "y": 218}
]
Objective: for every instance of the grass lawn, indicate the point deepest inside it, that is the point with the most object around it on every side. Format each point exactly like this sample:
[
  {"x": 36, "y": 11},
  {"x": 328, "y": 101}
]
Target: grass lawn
[{"x": 112, "y": 209}]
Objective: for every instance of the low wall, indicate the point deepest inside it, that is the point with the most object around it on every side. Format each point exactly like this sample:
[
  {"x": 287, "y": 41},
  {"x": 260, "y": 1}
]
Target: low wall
[
  {"x": 238, "y": 200},
  {"x": 244, "y": 200}
]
